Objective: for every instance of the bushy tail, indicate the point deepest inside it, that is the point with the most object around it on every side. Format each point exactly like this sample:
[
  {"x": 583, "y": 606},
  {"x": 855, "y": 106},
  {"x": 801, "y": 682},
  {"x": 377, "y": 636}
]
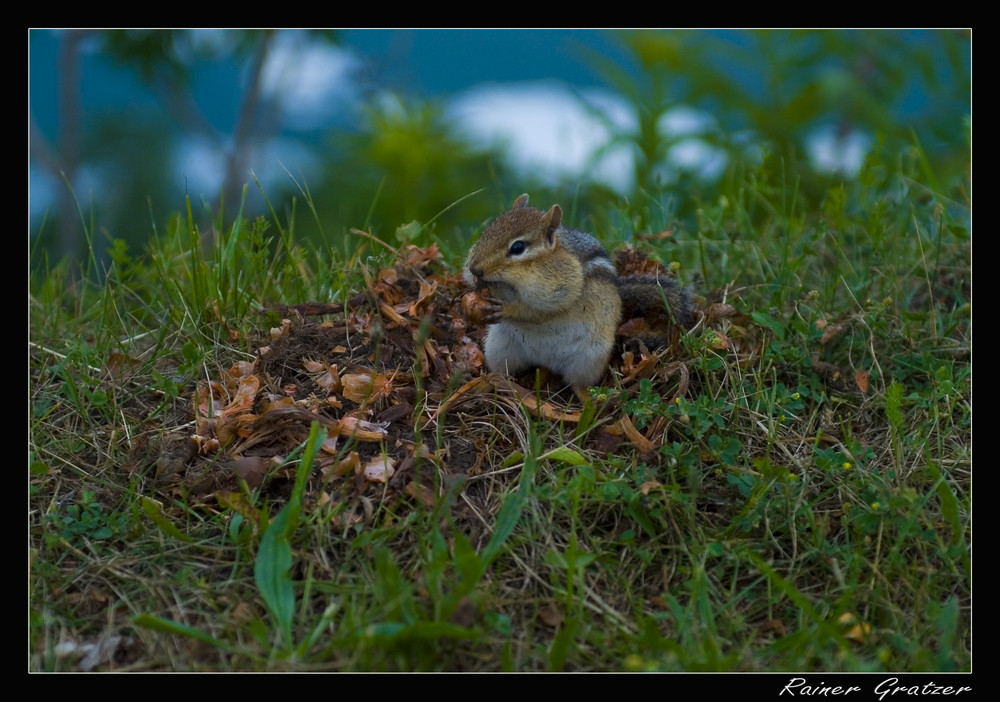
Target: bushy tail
[{"x": 653, "y": 295}]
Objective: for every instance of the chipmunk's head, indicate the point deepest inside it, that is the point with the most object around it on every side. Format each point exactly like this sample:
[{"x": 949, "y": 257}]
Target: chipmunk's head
[{"x": 509, "y": 245}]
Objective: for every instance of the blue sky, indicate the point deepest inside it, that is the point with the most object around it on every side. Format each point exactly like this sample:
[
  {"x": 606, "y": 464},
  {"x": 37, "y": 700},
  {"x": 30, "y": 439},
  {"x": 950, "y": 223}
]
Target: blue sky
[{"x": 532, "y": 92}]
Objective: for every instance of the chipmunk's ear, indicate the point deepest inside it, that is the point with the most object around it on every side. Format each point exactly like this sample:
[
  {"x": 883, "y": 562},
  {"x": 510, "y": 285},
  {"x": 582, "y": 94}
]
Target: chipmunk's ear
[
  {"x": 554, "y": 220},
  {"x": 520, "y": 202}
]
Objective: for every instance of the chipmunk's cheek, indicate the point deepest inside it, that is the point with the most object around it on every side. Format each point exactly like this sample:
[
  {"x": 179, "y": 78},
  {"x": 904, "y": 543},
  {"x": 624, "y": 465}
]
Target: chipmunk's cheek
[{"x": 502, "y": 291}]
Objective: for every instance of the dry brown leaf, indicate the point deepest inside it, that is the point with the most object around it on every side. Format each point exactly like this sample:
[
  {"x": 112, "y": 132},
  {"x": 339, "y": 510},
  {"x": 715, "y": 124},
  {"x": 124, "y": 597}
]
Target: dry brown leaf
[
  {"x": 831, "y": 333},
  {"x": 474, "y": 386},
  {"x": 357, "y": 386},
  {"x": 238, "y": 502},
  {"x": 361, "y": 387},
  {"x": 209, "y": 398},
  {"x": 639, "y": 326},
  {"x": 719, "y": 340},
  {"x": 120, "y": 366},
  {"x": 458, "y": 324},
  {"x": 388, "y": 276},
  {"x": 861, "y": 380},
  {"x": 360, "y": 429},
  {"x": 228, "y": 428},
  {"x": 206, "y": 445},
  {"x": 241, "y": 369},
  {"x": 608, "y": 442},
  {"x": 277, "y": 332},
  {"x": 330, "y": 445},
  {"x": 245, "y": 612},
  {"x": 413, "y": 255},
  {"x": 253, "y": 469},
  {"x": 380, "y": 469},
  {"x": 717, "y": 311},
  {"x": 466, "y": 613},
  {"x": 468, "y": 356},
  {"x": 530, "y": 401},
  {"x": 628, "y": 358},
  {"x": 425, "y": 361},
  {"x": 647, "y": 486},
  {"x": 175, "y": 452},
  {"x": 643, "y": 369},
  {"x": 395, "y": 412},
  {"x": 244, "y": 398},
  {"x": 329, "y": 380},
  {"x": 274, "y": 401},
  {"x": 313, "y": 366},
  {"x": 348, "y": 465},
  {"x": 633, "y": 434},
  {"x": 392, "y": 314},
  {"x": 427, "y": 290},
  {"x": 855, "y": 629},
  {"x": 830, "y": 373},
  {"x": 551, "y": 617},
  {"x": 776, "y": 626},
  {"x": 420, "y": 492}
]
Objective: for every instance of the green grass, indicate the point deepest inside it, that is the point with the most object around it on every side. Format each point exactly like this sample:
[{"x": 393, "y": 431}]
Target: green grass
[{"x": 785, "y": 521}]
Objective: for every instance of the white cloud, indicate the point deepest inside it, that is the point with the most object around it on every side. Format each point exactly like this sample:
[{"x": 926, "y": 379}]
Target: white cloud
[
  {"x": 200, "y": 164},
  {"x": 698, "y": 156},
  {"x": 831, "y": 151},
  {"x": 555, "y": 134},
  {"x": 683, "y": 121},
  {"x": 41, "y": 191},
  {"x": 549, "y": 131},
  {"x": 89, "y": 185},
  {"x": 203, "y": 165},
  {"x": 312, "y": 79}
]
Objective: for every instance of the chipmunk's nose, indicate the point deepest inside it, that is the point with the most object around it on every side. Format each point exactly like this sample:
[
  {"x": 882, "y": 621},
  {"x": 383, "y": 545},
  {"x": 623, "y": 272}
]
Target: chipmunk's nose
[{"x": 476, "y": 272}]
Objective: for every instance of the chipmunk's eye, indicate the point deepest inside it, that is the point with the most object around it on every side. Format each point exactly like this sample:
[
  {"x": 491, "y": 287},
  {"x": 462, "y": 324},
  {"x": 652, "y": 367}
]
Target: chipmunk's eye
[{"x": 516, "y": 249}]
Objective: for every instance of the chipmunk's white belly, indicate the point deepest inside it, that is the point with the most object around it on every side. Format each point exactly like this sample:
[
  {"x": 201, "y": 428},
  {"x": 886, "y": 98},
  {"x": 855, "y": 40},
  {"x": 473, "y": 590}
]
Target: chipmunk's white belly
[{"x": 571, "y": 348}]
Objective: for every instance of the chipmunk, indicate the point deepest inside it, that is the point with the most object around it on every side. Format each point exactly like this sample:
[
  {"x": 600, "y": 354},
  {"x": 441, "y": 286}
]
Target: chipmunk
[{"x": 555, "y": 298}]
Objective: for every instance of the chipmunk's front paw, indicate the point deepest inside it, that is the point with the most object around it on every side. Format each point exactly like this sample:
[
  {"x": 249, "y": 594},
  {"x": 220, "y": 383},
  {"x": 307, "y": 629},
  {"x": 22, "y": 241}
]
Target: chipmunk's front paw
[
  {"x": 492, "y": 311},
  {"x": 481, "y": 308}
]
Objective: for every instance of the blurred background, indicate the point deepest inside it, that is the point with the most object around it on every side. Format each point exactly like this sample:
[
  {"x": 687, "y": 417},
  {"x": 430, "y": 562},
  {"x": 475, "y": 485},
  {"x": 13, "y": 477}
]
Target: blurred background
[{"x": 383, "y": 128}]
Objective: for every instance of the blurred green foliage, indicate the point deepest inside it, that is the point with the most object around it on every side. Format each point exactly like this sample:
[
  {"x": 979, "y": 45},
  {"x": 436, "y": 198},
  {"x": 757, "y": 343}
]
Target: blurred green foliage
[
  {"x": 404, "y": 165},
  {"x": 771, "y": 88},
  {"x": 908, "y": 91}
]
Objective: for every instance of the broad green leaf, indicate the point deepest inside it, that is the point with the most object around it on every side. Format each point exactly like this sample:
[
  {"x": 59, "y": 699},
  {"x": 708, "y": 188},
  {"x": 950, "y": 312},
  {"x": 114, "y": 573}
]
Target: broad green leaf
[
  {"x": 510, "y": 513},
  {"x": 560, "y": 645},
  {"x": 470, "y": 567},
  {"x": 513, "y": 458},
  {"x": 766, "y": 320},
  {"x": 154, "y": 510},
  {"x": 564, "y": 454},
  {"x": 172, "y": 627},
  {"x": 271, "y": 573}
]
